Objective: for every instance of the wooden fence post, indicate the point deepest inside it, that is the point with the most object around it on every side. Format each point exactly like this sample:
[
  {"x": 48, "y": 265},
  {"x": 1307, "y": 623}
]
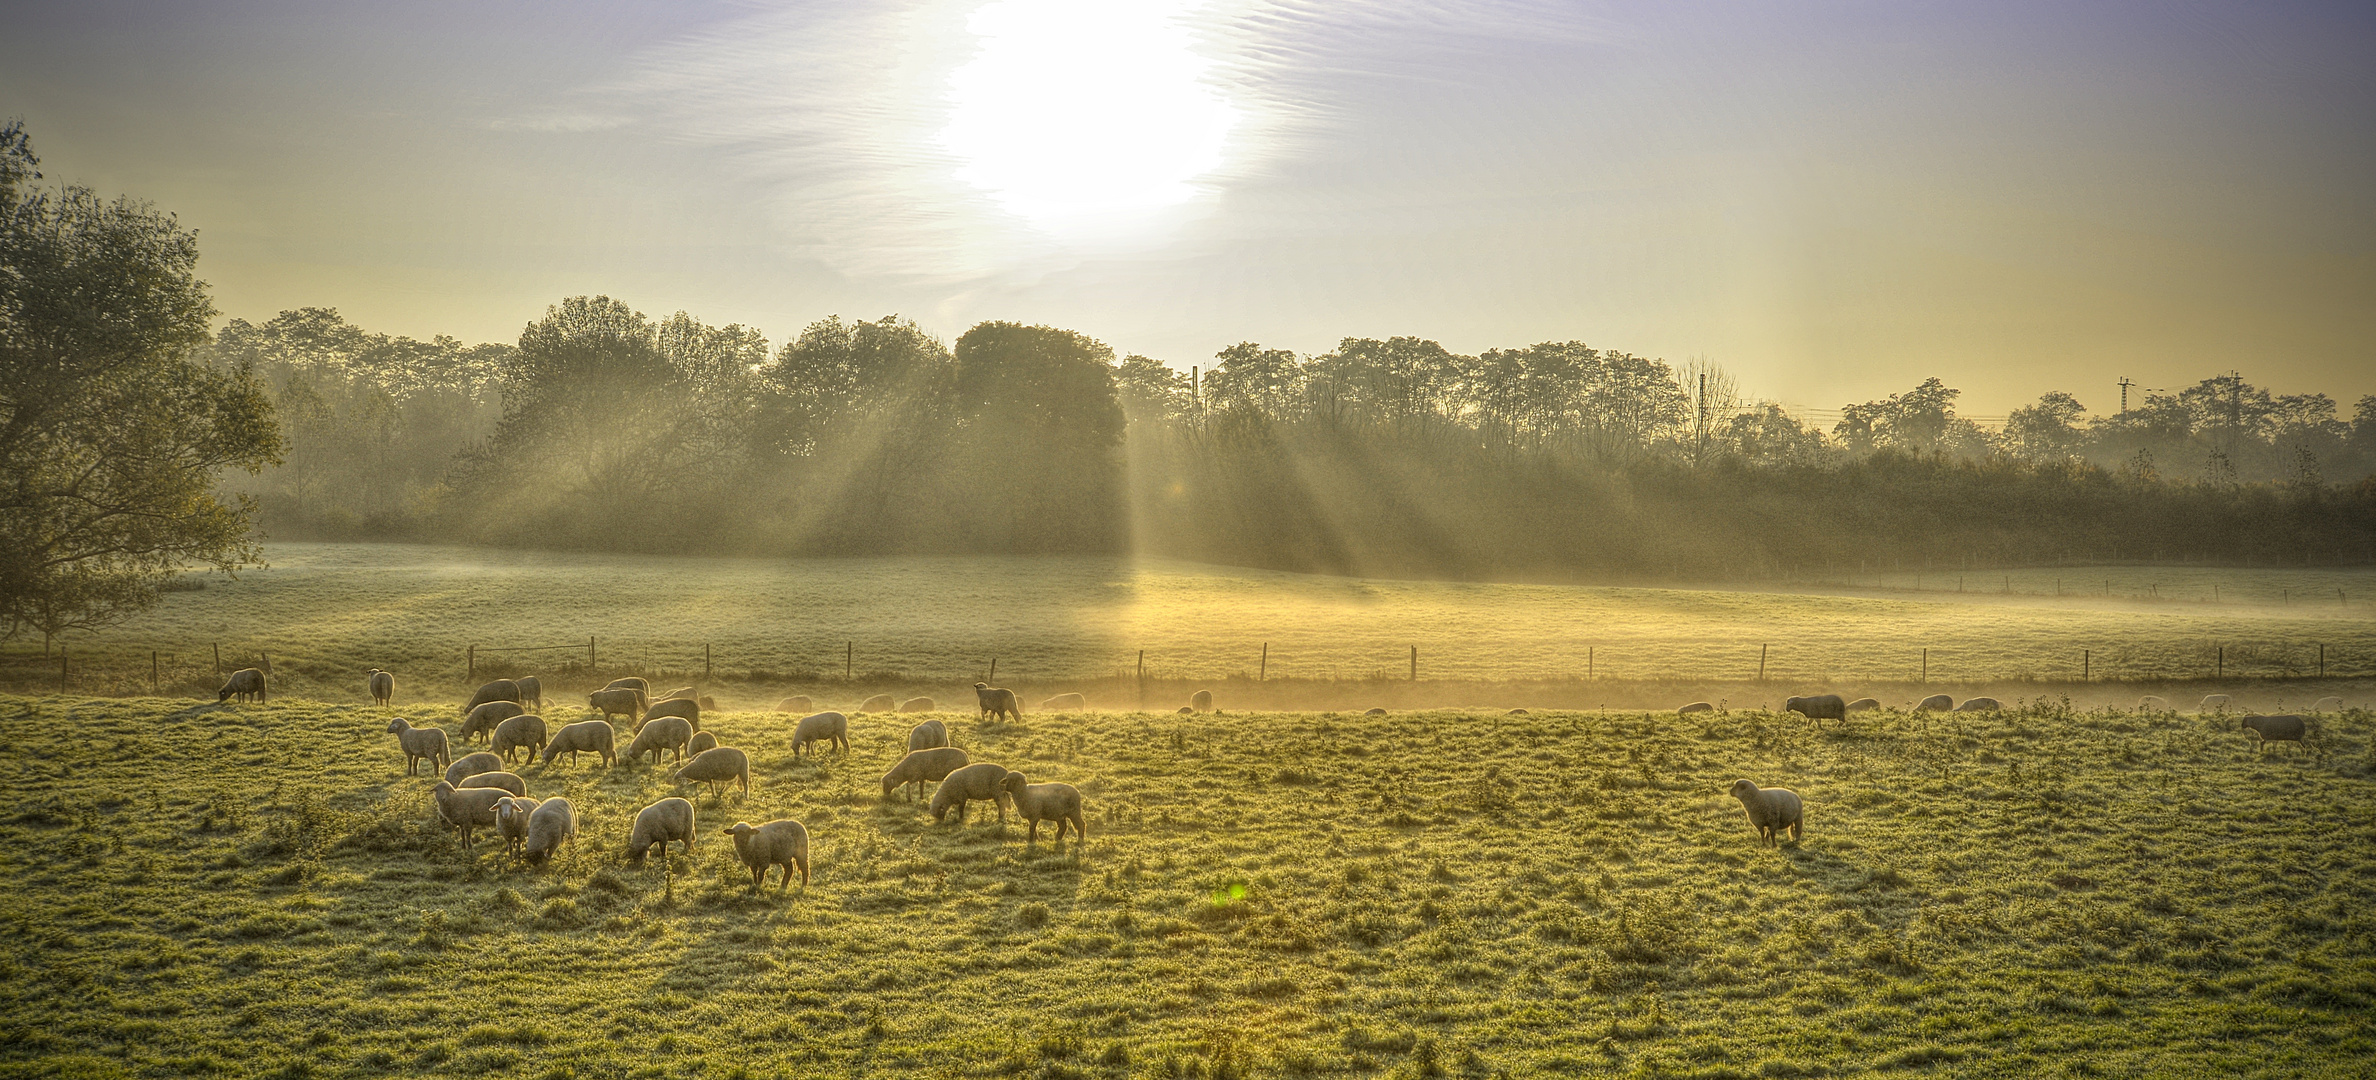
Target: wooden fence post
[
  {"x": 2086, "y": 657},
  {"x": 849, "y": 659},
  {"x": 705, "y": 661},
  {"x": 589, "y": 654},
  {"x": 1414, "y": 663},
  {"x": 2322, "y": 661},
  {"x": 994, "y": 671},
  {"x": 2221, "y": 671},
  {"x": 61, "y": 667},
  {"x": 1142, "y": 671},
  {"x": 1761, "y": 657},
  {"x": 1926, "y": 665},
  {"x": 1588, "y": 658},
  {"x": 1262, "y": 674},
  {"x": 154, "y": 684},
  {"x": 218, "y": 657}
]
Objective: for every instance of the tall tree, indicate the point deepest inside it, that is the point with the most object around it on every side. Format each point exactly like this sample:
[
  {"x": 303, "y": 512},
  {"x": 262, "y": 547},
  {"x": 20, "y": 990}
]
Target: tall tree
[{"x": 1041, "y": 440}]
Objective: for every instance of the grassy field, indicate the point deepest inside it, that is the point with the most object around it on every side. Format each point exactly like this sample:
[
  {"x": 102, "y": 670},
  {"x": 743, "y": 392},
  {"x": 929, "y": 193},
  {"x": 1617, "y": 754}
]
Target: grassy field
[
  {"x": 259, "y": 890},
  {"x": 326, "y": 613}
]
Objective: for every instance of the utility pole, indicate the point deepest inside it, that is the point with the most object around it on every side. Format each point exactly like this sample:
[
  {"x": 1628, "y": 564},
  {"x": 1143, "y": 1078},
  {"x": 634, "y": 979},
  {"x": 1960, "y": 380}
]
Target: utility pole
[{"x": 2125, "y": 383}]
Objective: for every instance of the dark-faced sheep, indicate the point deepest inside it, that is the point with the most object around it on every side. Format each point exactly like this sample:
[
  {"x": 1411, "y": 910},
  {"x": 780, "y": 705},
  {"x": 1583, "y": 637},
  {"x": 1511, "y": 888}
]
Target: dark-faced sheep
[
  {"x": 927, "y": 735},
  {"x": 798, "y": 703},
  {"x": 1770, "y": 809},
  {"x": 2287, "y": 727},
  {"x": 509, "y": 782},
  {"x": 531, "y": 691},
  {"x": 467, "y": 809},
  {"x": 472, "y": 765},
  {"x": 717, "y": 768},
  {"x": 524, "y": 732},
  {"x": 1935, "y": 703},
  {"x": 1201, "y": 701},
  {"x": 419, "y": 744},
  {"x": 997, "y": 702},
  {"x": 684, "y": 707},
  {"x": 499, "y": 690},
  {"x": 877, "y": 703},
  {"x": 1065, "y": 703},
  {"x": 247, "y": 684},
  {"x": 383, "y": 687},
  {"x": 483, "y": 719},
  {"x": 655, "y": 825},
  {"x": 917, "y": 704},
  {"x": 702, "y": 740},
  {"x": 782, "y": 843},
  {"x": 1818, "y": 707},
  {"x": 968, "y": 785},
  {"x": 1060, "y": 803},
  {"x": 670, "y": 733},
  {"x": 830, "y": 728},
  {"x": 617, "y": 701},
  {"x": 932, "y": 764},
  {"x": 549, "y": 825},
  {"x": 583, "y": 737}
]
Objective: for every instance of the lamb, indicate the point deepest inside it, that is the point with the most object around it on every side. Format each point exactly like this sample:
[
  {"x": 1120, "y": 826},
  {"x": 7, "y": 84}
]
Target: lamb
[
  {"x": 783, "y": 842},
  {"x": 2150, "y": 703},
  {"x": 1770, "y": 809},
  {"x": 631, "y": 683},
  {"x": 615, "y": 700},
  {"x": 917, "y": 704},
  {"x": 531, "y": 690},
  {"x": 2327, "y": 704},
  {"x": 932, "y": 764},
  {"x": 523, "y": 732},
  {"x": 1062, "y": 702},
  {"x": 469, "y": 765},
  {"x": 877, "y": 703},
  {"x": 1864, "y": 704},
  {"x": 419, "y": 744},
  {"x": 670, "y": 733},
  {"x": 798, "y": 703},
  {"x": 2287, "y": 727},
  {"x": 997, "y": 702},
  {"x": 1695, "y": 707},
  {"x": 1060, "y": 803},
  {"x": 684, "y": 707},
  {"x": 715, "y": 767},
  {"x": 511, "y": 822},
  {"x": 1818, "y": 707},
  {"x": 978, "y": 781},
  {"x": 669, "y": 819},
  {"x": 929, "y": 734},
  {"x": 499, "y": 690},
  {"x": 509, "y": 782},
  {"x": 1201, "y": 701},
  {"x": 552, "y": 822},
  {"x": 2213, "y": 703},
  {"x": 831, "y": 728},
  {"x": 702, "y": 740},
  {"x": 482, "y": 720},
  {"x": 1980, "y": 704},
  {"x": 383, "y": 687},
  {"x": 248, "y": 683},
  {"x": 1935, "y": 703},
  {"x": 585, "y": 736},
  {"x": 467, "y": 809}
]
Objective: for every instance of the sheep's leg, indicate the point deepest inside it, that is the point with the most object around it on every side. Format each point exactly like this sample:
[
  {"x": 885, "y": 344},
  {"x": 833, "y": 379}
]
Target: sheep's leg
[{"x": 804, "y": 873}]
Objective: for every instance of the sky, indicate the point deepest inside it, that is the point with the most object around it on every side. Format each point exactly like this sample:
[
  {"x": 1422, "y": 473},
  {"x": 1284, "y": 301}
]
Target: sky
[{"x": 1831, "y": 200}]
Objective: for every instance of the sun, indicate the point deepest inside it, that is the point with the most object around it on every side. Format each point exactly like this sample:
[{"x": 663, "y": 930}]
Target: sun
[{"x": 1085, "y": 111}]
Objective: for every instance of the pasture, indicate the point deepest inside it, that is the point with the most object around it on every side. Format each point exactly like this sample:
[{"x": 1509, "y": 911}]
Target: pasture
[{"x": 203, "y": 890}]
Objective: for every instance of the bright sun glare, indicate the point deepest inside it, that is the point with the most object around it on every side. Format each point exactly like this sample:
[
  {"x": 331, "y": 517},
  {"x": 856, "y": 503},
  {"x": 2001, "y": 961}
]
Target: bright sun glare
[{"x": 1080, "y": 111}]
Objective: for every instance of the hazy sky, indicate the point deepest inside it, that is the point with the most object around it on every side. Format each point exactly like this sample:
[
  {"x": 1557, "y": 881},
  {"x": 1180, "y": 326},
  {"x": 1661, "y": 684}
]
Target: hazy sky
[{"x": 1832, "y": 199}]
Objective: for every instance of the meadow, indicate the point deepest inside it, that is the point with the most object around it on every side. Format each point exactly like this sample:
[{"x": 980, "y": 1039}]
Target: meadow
[{"x": 245, "y": 890}]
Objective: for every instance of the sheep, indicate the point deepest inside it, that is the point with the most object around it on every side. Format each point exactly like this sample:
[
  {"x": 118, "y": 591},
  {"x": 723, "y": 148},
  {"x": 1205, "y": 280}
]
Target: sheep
[
  {"x": 585, "y": 736},
  {"x": 2327, "y": 704},
  {"x": 552, "y": 822},
  {"x": 932, "y": 764},
  {"x": 522, "y": 732},
  {"x": 917, "y": 704},
  {"x": 978, "y": 781},
  {"x": 248, "y": 683},
  {"x": 669, "y": 819},
  {"x": 929, "y": 734},
  {"x": 467, "y": 809},
  {"x": 419, "y": 744},
  {"x": 702, "y": 740},
  {"x": 782, "y": 842},
  {"x": 1062, "y": 702},
  {"x": 2213, "y": 703},
  {"x": 707, "y": 703},
  {"x": 509, "y": 782},
  {"x": 2150, "y": 703},
  {"x": 1695, "y": 707},
  {"x": 615, "y": 700},
  {"x": 831, "y": 728},
  {"x": 669, "y": 733},
  {"x": 1060, "y": 803},
  {"x": 1818, "y": 707},
  {"x": 877, "y": 703},
  {"x": 1201, "y": 701},
  {"x": 482, "y": 720},
  {"x": 1373, "y": 711},
  {"x": 499, "y": 690},
  {"x": 1864, "y": 704},
  {"x": 1980, "y": 704},
  {"x": 1770, "y": 810},
  {"x": 1935, "y": 703},
  {"x": 531, "y": 690},
  {"x": 2287, "y": 727},
  {"x": 469, "y": 765},
  {"x": 798, "y": 703},
  {"x": 997, "y": 702},
  {"x": 684, "y": 707},
  {"x": 1184, "y": 710},
  {"x": 715, "y": 767},
  {"x": 631, "y": 683},
  {"x": 1517, "y": 712},
  {"x": 683, "y": 692},
  {"x": 383, "y": 687},
  {"x": 511, "y": 822}
]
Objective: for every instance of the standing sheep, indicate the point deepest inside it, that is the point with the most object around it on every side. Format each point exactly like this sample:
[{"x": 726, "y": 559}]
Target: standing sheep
[
  {"x": 616, "y": 700},
  {"x": 511, "y": 822},
  {"x": 877, "y": 703},
  {"x": 782, "y": 843},
  {"x": 471, "y": 765},
  {"x": 467, "y": 809},
  {"x": 1980, "y": 704},
  {"x": 798, "y": 703},
  {"x": 383, "y": 687},
  {"x": 1060, "y": 803},
  {"x": 1201, "y": 701},
  {"x": 929, "y": 734},
  {"x": 1818, "y": 707},
  {"x": 933, "y": 764},
  {"x": 585, "y": 736},
  {"x": 1065, "y": 702},
  {"x": 552, "y": 822},
  {"x": 499, "y": 690},
  {"x": 531, "y": 691},
  {"x": 2287, "y": 727},
  {"x": 997, "y": 702},
  {"x": 419, "y": 744},
  {"x": 917, "y": 704},
  {"x": 1770, "y": 809},
  {"x": 702, "y": 740},
  {"x": 247, "y": 683},
  {"x": 684, "y": 707},
  {"x": 482, "y": 720},
  {"x": 831, "y": 728},
  {"x": 669, "y": 819},
  {"x": 522, "y": 732},
  {"x": 964, "y": 786},
  {"x": 1935, "y": 703},
  {"x": 630, "y": 683},
  {"x": 716, "y": 768},
  {"x": 670, "y": 733}
]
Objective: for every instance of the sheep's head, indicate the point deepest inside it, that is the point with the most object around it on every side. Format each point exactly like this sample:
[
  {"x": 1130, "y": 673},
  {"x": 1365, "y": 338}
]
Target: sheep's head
[
  {"x": 1014, "y": 782},
  {"x": 741, "y": 829},
  {"x": 981, "y": 686},
  {"x": 1743, "y": 789}
]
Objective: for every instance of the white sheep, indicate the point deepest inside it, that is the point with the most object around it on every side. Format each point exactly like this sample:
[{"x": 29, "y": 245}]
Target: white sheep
[
  {"x": 1980, "y": 704},
  {"x": 684, "y": 707},
  {"x": 469, "y": 765},
  {"x": 798, "y": 703},
  {"x": 682, "y": 693},
  {"x": 933, "y": 764},
  {"x": 670, "y": 733},
  {"x": 831, "y": 728},
  {"x": 702, "y": 740},
  {"x": 1864, "y": 704},
  {"x": 997, "y": 702},
  {"x": 1374, "y": 710},
  {"x": 2213, "y": 703},
  {"x": 974, "y": 782},
  {"x": 1060, "y": 803},
  {"x": 419, "y": 744},
  {"x": 877, "y": 703},
  {"x": 585, "y": 736},
  {"x": 917, "y": 704},
  {"x": 1770, "y": 809},
  {"x": 927, "y": 735},
  {"x": 1201, "y": 701},
  {"x": 553, "y": 822},
  {"x": 246, "y": 683},
  {"x": 1935, "y": 703},
  {"x": 2150, "y": 703},
  {"x": 783, "y": 842},
  {"x": 467, "y": 809},
  {"x": 482, "y": 720},
  {"x": 511, "y": 822},
  {"x": 1695, "y": 707},
  {"x": 531, "y": 691},
  {"x": 383, "y": 687},
  {"x": 640, "y": 686},
  {"x": 615, "y": 700},
  {"x": 1065, "y": 703},
  {"x": 499, "y": 690},
  {"x": 509, "y": 782},
  {"x": 716, "y": 768},
  {"x": 523, "y": 732},
  {"x": 1818, "y": 706},
  {"x": 669, "y": 819}
]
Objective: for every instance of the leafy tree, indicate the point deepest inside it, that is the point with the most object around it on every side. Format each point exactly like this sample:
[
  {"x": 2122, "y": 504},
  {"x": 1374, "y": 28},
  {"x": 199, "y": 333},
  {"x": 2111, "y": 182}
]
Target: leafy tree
[
  {"x": 1039, "y": 450},
  {"x": 1152, "y": 392},
  {"x": 2048, "y": 430}
]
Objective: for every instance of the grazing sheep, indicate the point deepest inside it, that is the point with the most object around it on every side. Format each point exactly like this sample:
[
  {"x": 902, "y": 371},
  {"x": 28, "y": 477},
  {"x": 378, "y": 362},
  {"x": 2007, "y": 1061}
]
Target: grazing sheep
[
  {"x": 531, "y": 691},
  {"x": 631, "y": 683},
  {"x": 782, "y": 843},
  {"x": 669, "y": 819},
  {"x": 2327, "y": 704},
  {"x": 997, "y": 702},
  {"x": 509, "y": 782},
  {"x": 1201, "y": 701},
  {"x": 1695, "y": 707},
  {"x": 1864, "y": 704},
  {"x": 469, "y": 765},
  {"x": 929, "y": 734},
  {"x": 932, "y": 764},
  {"x": 1980, "y": 704},
  {"x": 2150, "y": 703},
  {"x": 2213, "y": 703},
  {"x": 702, "y": 740},
  {"x": 1770, "y": 809},
  {"x": 1373, "y": 711},
  {"x": 683, "y": 692},
  {"x": 583, "y": 737},
  {"x": 523, "y": 732},
  {"x": 511, "y": 822},
  {"x": 877, "y": 703},
  {"x": 1818, "y": 707},
  {"x": 419, "y": 743},
  {"x": 684, "y": 707},
  {"x": 964, "y": 786},
  {"x": 798, "y": 703},
  {"x": 247, "y": 683},
  {"x": 552, "y": 822},
  {"x": 715, "y": 767},
  {"x": 482, "y": 720},
  {"x": 616, "y": 700},
  {"x": 2288, "y": 727},
  {"x": 499, "y": 690},
  {"x": 831, "y": 728},
  {"x": 1935, "y": 703},
  {"x": 1062, "y": 702},
  {"x": 1060, "y": 803},
  {"x": 670, "y": 733},
  {"x": 467, "y": 809},
  {"x": 383, "y": 687},
  {"x": 916, "y": 704}
]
